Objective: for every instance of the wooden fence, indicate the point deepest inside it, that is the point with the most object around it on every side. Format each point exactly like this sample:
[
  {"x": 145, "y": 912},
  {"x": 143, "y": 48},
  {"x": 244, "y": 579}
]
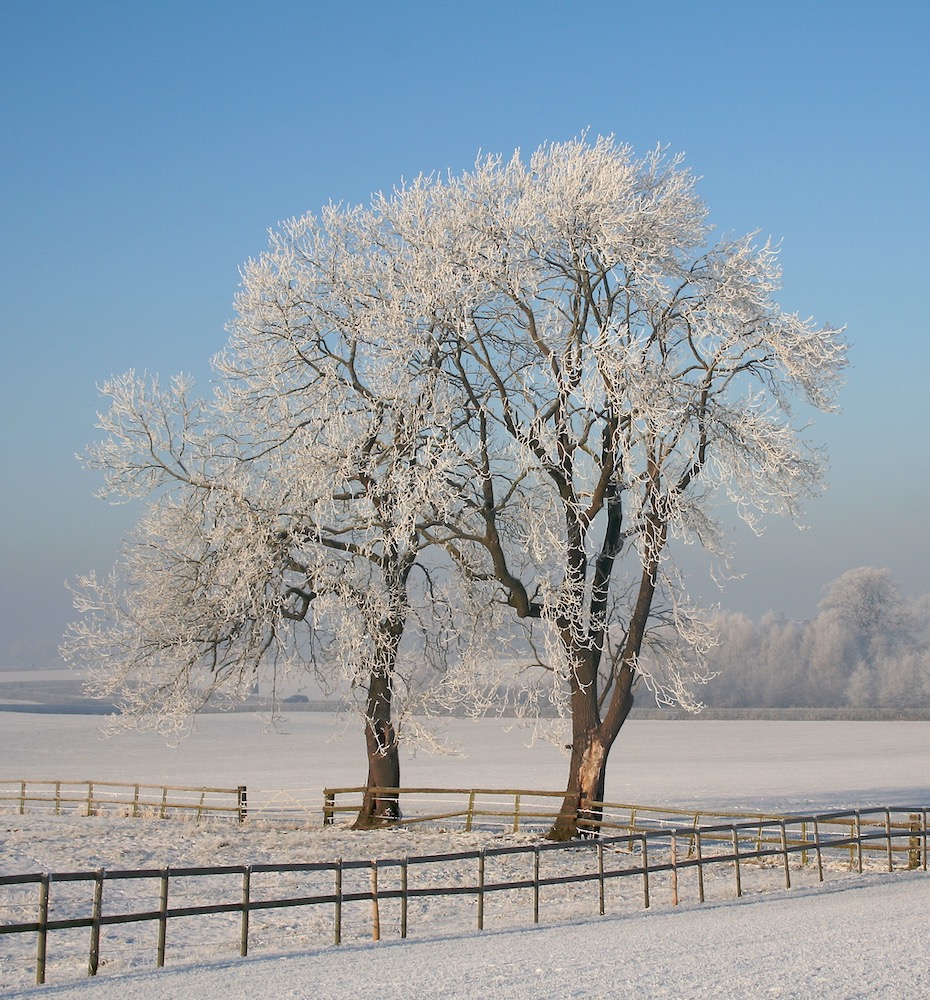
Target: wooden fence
[
  {"x": 526, "y": 810},
  {"x": 900, "y": 835},
  {"x": 94, "y": 798},
  {"x": 487, "y": 809}
]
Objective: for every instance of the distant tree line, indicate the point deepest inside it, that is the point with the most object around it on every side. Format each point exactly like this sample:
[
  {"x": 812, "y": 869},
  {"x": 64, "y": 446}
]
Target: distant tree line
[{"x": 868, "y": 648}]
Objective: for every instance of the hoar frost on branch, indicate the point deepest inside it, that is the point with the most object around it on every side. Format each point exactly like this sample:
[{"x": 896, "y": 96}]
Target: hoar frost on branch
[
  {"x": 523, "y": 382},
  {"x": 296, "y": 498},
  {"x": 618, "y": 376}
]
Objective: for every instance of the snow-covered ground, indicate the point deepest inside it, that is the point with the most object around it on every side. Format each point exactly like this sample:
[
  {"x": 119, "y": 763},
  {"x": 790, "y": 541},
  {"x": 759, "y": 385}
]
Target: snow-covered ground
[
  {"x": 862, "y": 937},
  {"x": 854, "y": 936},
  {"x": 754, "y": 765}
]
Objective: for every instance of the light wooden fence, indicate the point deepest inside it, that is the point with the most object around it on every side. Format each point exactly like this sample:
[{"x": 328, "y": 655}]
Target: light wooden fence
[
  {"x": 899, "y": 834},
  {"x": 527, "y": 810},
  {"x": 94, "y": 798}
]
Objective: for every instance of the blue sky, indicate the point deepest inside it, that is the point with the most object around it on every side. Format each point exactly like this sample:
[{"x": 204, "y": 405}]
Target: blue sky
[{"x": 148, "y": 147}]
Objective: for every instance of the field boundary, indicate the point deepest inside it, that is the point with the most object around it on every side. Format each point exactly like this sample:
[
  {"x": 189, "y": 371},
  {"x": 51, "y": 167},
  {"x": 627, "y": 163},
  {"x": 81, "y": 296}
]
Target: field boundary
[
  {"x": 98, "y": 798},
  {"x": 520, "y": 810},
  {"x": 897, "y": 836},
  {"x": 514, "y": 810}
]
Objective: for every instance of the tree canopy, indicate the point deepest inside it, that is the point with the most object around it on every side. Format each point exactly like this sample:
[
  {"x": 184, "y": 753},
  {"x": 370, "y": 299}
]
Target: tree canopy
[{"x": 516, "y": 386}]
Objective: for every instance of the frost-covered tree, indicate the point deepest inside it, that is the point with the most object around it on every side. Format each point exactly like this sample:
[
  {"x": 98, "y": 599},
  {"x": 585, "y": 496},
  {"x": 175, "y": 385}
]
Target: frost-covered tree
[
  {"x": 545, "y": 370},
  {"x": 867, "y": 649},
  {"x": 286, "y": 516},
  {"x": 619, "y": 375},
  {"x": 864, "y": 647},
  {"x": 733, "y": 657}
]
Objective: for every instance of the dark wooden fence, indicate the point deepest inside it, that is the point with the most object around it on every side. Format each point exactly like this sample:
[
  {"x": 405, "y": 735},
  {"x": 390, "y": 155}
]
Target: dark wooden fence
[{"x": 898, "y": 835}]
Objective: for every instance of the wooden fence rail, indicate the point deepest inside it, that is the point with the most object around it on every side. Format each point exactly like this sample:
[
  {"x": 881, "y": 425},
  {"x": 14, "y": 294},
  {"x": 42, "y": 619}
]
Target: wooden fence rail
[
  {"x": 516, "y": 809},
  {"x": 640, "y": 855},
  {"x": 531, "y": 810},
  {"x": 92, "y": 798},
  {"x": 527, "y": 810}
]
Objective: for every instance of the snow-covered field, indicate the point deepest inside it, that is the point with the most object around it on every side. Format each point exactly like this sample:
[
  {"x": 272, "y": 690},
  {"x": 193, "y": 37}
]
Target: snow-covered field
[
  {"x": 854, "y": 936},
  {"x": 753, "y": 765}
]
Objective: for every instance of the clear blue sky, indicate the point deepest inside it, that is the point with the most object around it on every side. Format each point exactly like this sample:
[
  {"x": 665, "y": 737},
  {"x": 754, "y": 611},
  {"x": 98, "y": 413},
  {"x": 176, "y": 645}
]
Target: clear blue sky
[{"x": 147, "y": 147}]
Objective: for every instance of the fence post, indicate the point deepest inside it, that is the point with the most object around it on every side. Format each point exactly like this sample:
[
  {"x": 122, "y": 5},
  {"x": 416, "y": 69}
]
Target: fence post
[
  {"x": 536, "y": 883},
  {"x": 93, "y": 962},
  {"x": 246, "y": 899},
  {"x": 913, "y": 842},
  {"x": 674, "y": 869},
  {"x": 329, "y": 807},
  {"x": 739, "y": 886},
  {"x": 600, "y": 877},
  {"x": 481, "y": 889},
  {"x": 888, "y": 835},
  {"x": 375, "y": 911},
  {"x": 859, "y": 840},
  {"x": 42, "y": 932},
  {"x": 817, "y": 843},
  {"x": 90, "y": 798},
  {"x": 645, "y": 874},
  {"x": 784, "y": 852},
  {"x": 162, "y": 919},
  {"x": 57, "y": 798},
  {"x": 403, "y": 898},
  {"x": 697, "y": 821},
  {"x": 516, "y": 812},
  {"x": 337, "y": 917},
  {"x": 924, "y": 814},
  {"x": 242, "y": 802},
  {"x": 700, "y": 864},
  {"x": 22, "y": 798},
  {"x": 471, "y": 810}
]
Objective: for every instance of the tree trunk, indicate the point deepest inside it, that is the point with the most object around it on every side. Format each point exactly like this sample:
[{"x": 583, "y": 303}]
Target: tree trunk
[
  {"x": 586, "y": 774},
  {"x": 592, "y": 738},
  {"x": 580, "y": 815},
  {"x": 379, "y": 807}
]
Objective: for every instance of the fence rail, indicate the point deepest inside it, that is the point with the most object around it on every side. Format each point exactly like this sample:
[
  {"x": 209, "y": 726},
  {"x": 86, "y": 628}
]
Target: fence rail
[
  {"x": 93, "y": 798},
  {"x": 900, "y": 835},
  {"x": 528, "y": 810}
]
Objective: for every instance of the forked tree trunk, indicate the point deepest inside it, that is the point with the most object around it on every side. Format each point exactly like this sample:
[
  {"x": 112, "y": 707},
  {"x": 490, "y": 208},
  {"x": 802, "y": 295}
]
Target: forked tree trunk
[
  {"x": 581, "y": 812},
  {"x": 592, "y": 736}
]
